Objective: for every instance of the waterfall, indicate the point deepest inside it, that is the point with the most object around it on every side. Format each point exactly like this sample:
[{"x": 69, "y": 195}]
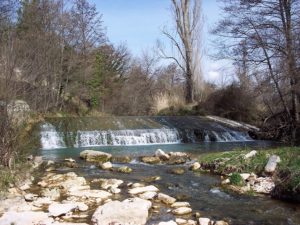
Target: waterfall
[
  {"x": 116, "y": 131},
  {"x": 127, "y": 137},
  {"x": 50, "y": 138}
]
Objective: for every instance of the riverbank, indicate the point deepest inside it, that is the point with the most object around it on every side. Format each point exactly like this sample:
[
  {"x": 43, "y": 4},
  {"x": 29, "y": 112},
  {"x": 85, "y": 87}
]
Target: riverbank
[{"x": 242, "y": 168}]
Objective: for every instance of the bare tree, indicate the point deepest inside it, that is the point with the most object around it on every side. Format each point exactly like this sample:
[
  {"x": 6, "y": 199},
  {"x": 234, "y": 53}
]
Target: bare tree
[
  {"x": 268, "y": 30},
  {"x": 186, "y": 40}
]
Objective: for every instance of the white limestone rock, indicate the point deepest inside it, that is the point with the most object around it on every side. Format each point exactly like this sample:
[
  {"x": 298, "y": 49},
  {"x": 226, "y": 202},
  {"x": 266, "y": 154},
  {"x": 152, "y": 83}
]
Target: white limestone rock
[
  {"x": 250, "y": 154},
  {"x": 204, "y": 221},
  {"x": 272, "y": 164},
  {"x": 182, "y": 211},
  {"x": 57, "y": 209},
  {"x": 150, "y": 195},
  {"x": 25, "y": 218},
  {"x": 140, "y": 190},
  {"x": 166, "y": 199},
  {"x": 161, "y": 154},
  {"x": 130, "y": 212}
]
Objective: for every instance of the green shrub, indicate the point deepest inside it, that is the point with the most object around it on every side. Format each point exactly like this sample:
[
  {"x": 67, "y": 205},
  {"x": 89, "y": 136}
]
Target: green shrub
[{"x": 236, "y": 179}]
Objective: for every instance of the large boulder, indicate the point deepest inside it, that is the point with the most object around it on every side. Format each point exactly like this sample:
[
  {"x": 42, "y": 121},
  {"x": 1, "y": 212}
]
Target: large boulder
[
  {"x": 130, "y": 212},
  {"x": 95, "y": 156}
]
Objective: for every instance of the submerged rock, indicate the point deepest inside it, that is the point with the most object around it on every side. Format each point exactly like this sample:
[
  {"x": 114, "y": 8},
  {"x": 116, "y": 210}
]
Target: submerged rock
[
  {"x": 178, "y": 170},
  {"x": 150, "y": 159},
  {"x": 121, "y": 159},
  {"x": 131, "y": 211},
  {"x": 95, "y": 156},
  {"x": 124, "y": 169}
]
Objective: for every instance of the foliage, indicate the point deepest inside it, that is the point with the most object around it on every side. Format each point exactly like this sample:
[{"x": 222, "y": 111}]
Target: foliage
[
  {"x": 236, "y": 179},
  {"x": 232, "y": 102}
]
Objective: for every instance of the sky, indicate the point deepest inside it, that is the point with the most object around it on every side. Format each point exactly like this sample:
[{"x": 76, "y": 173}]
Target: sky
[{"x": 138, "y": 24}]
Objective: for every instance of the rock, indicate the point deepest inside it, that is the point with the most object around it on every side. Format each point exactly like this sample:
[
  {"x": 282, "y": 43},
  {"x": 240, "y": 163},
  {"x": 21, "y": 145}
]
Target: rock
[
  {"x": 110, "y": 183},
  {"x": 140, "y": 190},
  {"x": 221, "y": 222},
  {"x": 245, "y": 176},
  {"x": 30, "y": 197},
  {"x": 263, "y": 185},
  {"x": 150, "y": 195},
  {"x": 70, "y": 160},
  {"x": 82, "y": 207},
  {"x": 135, "y": 185},
  {"x": 180, "y": 204},
  {"x": 171, "y": 222},
  {"x": 178, "y": 158},
  {"x": 204, "y": 221},
  {"x": 52, "y": 193},
  {"x": 124, "y": 169},
  {"x": 130, "y": 211},
  {"x": 162, "y": 155},
  {"x": 42, "y": 184},
  {"x": 151, "y": 179},
  {"x": 150, "y": 159},
  {"x": 191, "y": 222},
  {"x": 226, "y": 181},
  {"x": 121, "y": 159},
  {"x": 50, "y": 162},
  {"x": 24, "y": 187},
  {"x": 106, "y": 166},
  {"x": 195, "y": 166},
  {"x": 90, "y": 194},
  {"x": 40, "y": 202},
  {"x": 180, "y": 221},
  {"x": 166, "y": 199},
  {"x": 178, "y": 171},
  {"x": 182, "y": 211},
  {"x": 114, "y": 190},
  {"x": 57, "y": 209},
  {"x": 250, "y": 154},
  {"x": 95, "y": 156},
  {"x": 272, "y": 164},
  {"x": 25, "y": 218}
]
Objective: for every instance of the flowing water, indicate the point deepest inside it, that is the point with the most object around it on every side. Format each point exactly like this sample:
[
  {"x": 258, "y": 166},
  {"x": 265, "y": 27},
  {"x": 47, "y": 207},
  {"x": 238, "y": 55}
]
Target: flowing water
[{"x": 138, "y": 136}]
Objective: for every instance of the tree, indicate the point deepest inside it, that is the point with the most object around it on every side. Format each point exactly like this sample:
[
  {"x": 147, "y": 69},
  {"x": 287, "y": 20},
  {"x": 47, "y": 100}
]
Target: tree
[
  {"x": 187, "y": 42},
  {"x": 268, "y": 30}
]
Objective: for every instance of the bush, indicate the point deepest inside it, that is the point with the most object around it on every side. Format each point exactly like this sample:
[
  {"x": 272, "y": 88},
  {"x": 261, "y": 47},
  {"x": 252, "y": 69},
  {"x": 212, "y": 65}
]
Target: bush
[
  {"x": 232, "y": 102},
  {"x": 236, "y": 179}
]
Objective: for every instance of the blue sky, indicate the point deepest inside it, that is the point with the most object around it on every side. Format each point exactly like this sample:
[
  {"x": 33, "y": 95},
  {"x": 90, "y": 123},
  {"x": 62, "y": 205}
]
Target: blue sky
[{"x": 138, "y": 24}]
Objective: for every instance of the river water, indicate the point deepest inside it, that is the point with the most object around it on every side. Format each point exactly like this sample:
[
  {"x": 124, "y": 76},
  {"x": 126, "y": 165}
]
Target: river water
[
  {"x": 140, "y": 136},
  {"x": 201, "y": 190}
]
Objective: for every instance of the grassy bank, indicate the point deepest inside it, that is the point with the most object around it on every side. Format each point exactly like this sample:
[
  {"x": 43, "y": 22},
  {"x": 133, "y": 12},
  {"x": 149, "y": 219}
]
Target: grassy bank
[{"x": 286, "y": 176}]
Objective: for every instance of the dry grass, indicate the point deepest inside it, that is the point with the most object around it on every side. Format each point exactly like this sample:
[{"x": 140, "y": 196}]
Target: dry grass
[{"x": 164, "y": 101}]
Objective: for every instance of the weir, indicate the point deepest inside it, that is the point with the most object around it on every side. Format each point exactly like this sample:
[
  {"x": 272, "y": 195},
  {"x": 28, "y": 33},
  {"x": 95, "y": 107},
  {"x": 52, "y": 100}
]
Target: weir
[{"x": 117, "y": 131}]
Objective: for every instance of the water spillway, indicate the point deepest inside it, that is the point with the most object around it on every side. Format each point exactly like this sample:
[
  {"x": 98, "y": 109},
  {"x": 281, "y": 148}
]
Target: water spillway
[{"x": 105, "y": 131}]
